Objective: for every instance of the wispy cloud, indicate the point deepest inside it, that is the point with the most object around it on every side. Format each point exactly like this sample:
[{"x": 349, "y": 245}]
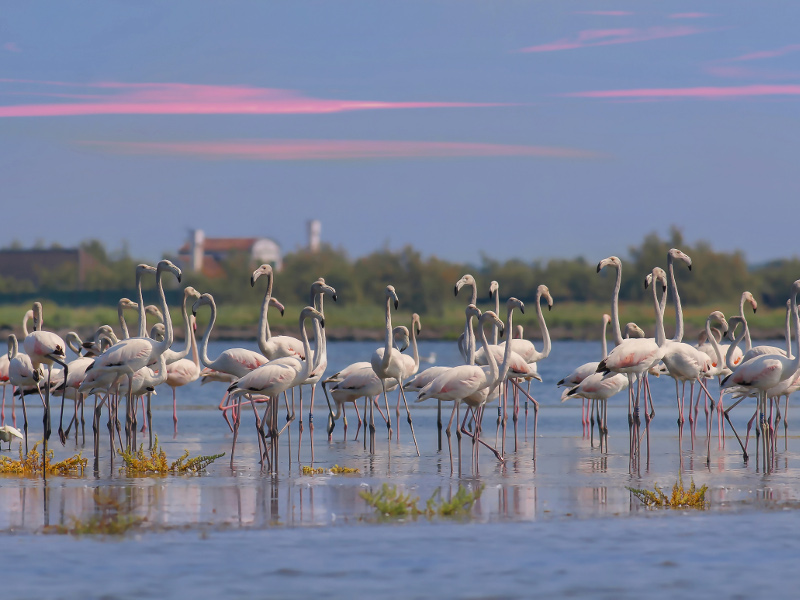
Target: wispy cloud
[
  {"x": 607, "y": 37},
  {"x": 11, "y": 47},
  {"x": 300, "y": 150},
  {"x": 711, "y": 93},
  {"x": 114, "y": 98},
  {"x": 732, "y": 67},
  {"x": 604, "y": 13},
  {"x": 690, "y": 15}
]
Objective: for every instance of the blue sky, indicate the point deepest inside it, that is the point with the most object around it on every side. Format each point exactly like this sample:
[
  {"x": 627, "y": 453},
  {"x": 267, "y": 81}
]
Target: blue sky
[{"x": 515, "y": 129}]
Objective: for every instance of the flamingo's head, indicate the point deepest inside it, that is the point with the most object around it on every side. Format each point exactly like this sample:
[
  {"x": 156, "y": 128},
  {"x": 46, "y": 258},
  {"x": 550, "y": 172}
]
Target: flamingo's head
[
  {"x": 748, "y": 297},
  {"x": 632, "y": 330},
  {"x": 392, "y": 295},
  {"x": 416, "y": 324},
  {"x": 494, "y": 287},
  {"x": 465, "y": 280},
  {"x": 203, "y": 300},
  {"x": 718, "y": 319},
  {"x": 611, "y": 260},
  {"x": 273, "y": 302},
  {"x": 320, "y": 287},
  {"x": 264, "y": 269},
  {"x": 675, "y": 253},
  {"x": 543, "y": 292},
  {"x": 169, "y": 266}
]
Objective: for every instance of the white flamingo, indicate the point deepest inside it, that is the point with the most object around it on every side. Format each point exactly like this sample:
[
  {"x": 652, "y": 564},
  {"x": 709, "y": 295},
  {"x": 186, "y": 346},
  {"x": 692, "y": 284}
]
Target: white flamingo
[
  {"x": 388, "y": 363},
  {"x": 273, "y": 379}
]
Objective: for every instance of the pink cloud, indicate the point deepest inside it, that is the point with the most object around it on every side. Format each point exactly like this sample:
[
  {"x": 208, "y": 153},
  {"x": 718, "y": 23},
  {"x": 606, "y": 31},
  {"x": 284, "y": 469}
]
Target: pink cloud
[
  {"x": 113, "y": 98},
  {"x": 729, "y": 67},
  {"x": 607, "y": 37},
  {"x": 287, "y": 150},
  {"x": 11, "y": 47},
  {"x": 690, "y": 15},
  {"x": 765, "y": 54},
  {"x": 712, "y": 93},
  {"x": 604, "y": 13}
]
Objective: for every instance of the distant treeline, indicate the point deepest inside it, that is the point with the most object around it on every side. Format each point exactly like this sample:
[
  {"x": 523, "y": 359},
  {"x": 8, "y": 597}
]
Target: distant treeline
[{"x": 426, "y": 285}]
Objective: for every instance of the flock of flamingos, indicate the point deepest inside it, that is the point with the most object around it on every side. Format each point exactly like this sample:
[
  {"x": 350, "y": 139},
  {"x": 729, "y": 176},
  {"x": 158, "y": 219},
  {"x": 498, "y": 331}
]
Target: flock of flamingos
[{"x": 109, "y": 369}]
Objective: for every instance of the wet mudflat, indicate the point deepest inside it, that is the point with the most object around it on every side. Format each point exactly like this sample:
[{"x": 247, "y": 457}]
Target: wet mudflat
[{"x": 562, "y": 524}]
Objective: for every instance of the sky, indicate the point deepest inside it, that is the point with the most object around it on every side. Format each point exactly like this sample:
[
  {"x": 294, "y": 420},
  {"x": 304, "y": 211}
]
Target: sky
[{"x": 527, "y": 129}]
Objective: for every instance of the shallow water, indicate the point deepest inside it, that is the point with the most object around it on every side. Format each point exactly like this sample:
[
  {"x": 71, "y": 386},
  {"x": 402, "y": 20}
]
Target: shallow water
[{"x": 562, "y": 524}]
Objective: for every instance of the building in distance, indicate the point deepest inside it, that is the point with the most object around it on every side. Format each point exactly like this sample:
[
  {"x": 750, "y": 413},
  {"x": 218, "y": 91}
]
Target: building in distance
[{"x": 207, "y": 255}]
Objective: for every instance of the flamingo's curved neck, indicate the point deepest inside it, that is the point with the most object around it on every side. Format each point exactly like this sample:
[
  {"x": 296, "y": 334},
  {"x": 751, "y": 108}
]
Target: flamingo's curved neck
[
  {"x": 615, "y": 306},
  {"x": 320, "y": 338},
  {"x": 507, "y": 352},
  {"x": 490, "y": 359},
  {"x": 13, "y": 347},
  {"x": 748, "y": 344},
  {"x": 660, "y": 336},
  {"x": 713, "y": 340},
  {"x": 495, "y": 327},
  {"x": 168, "y": 333},
  {"x": 387, "y": 352},
  {"x": 605, "y": 343},
  {"x": 122, "y": 324},
  {"x": 264, "y": 333},
  {"x": 141, "y": 330},
  {"x": 414, "y": 348},
  {"x": 543, "y": 327},
  {"x": 306, "y": 370},
  {"x": 207, "y": 334},
  {"x": 732, "y": 348},
  {"x": 676, "y": 299}
]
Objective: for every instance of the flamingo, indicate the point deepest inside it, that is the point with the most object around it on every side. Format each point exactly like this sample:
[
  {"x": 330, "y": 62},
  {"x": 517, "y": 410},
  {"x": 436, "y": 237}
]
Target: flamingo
[
  {"x": 22, "y": 374},
  {"x": 766, "y": 371},
  {"x": 387, "y": 362},
  {"x": 634, "y": 357},
  {"x": 128, "y": 356},
  {"x": 171, "y": 355},
  {"x": 182, "y": 372},
  {"x": 318, "y": 290},
  {"x": 463, "y": 381},
  {"x": 8, "y": 433},
  {"x": 237, "y": 362},
  {"x": 279, "y": 345},
  {"x": 410, "y": 363},
  {"x": 582, "y": 372},
  {"x": 359, "y": 386},
  {"x": 274, "y": 378},
  {"x": 46, "y": 348}
]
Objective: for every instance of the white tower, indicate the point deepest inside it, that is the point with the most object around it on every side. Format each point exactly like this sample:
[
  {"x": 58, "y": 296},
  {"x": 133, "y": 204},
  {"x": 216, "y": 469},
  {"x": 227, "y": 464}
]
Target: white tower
[
  {"x": 314, "y": 234},
  {"x": 198, "y": 249}
]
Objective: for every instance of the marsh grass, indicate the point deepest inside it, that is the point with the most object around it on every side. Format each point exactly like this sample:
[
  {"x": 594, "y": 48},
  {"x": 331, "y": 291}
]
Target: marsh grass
[
  {"x": 679, "y": 498},
  {"x": 35, "y": 463},
  {"x": 389, "y": 503},
  {"x": 154, "y": 462},
  {"x": 110, "y": 518},
  {"x": 334, "y": 470}
]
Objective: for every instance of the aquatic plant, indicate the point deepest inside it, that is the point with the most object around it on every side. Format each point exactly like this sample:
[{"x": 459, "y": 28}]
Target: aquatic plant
[
  {"x": 111, "y": 518},
  {"x": 34, "y": 463},
  {"x": 680, "y": 498},
  {"x": 154, "y": 461},
  {"x": 389, "y": 503},
  {"x": 334, "y": 470}
]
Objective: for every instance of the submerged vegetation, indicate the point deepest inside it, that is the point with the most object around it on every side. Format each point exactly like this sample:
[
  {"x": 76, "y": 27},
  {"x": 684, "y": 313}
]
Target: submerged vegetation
[
  {"x": 680, "y": 498},
  {"x": 139, "y": 462},
  {"x": 35, "y": 463},
  {"x": 334, "y": 470},
  {"x": 111, "y": 517},
  {"x": 389, "y": 503}
]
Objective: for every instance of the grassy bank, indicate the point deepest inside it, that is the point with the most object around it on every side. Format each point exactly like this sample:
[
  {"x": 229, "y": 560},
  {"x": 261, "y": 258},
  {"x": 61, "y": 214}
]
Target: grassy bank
[{"x": 567, "y": 320}]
